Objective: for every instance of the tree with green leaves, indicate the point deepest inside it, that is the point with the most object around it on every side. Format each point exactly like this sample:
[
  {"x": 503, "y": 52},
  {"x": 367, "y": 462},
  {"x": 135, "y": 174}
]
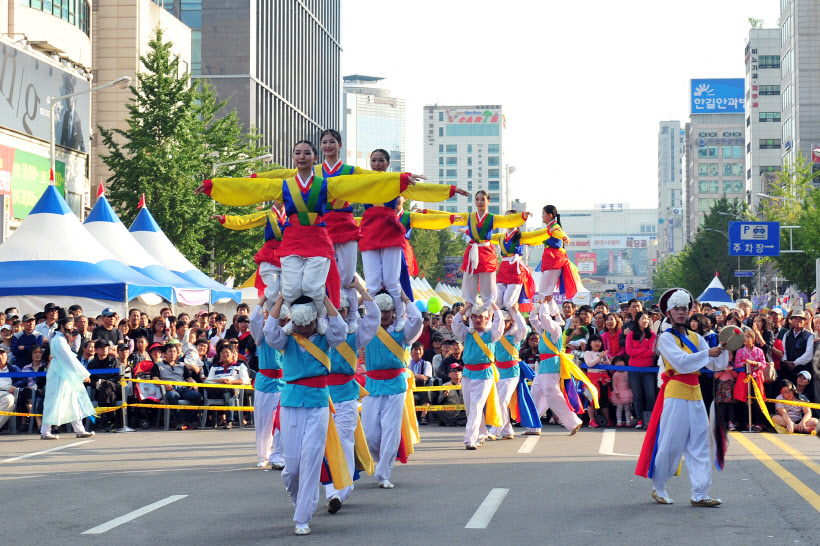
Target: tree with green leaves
[
  {"x": 176, "y": 132},
  {"x": 431, "y": 247}
]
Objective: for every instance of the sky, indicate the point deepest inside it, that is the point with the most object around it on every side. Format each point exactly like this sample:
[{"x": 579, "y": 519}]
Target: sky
[{"x": 583, "y": 85}]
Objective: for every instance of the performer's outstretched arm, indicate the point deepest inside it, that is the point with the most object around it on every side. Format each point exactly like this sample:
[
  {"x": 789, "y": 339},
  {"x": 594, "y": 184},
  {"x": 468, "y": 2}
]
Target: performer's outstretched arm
[
  {"x": 243, "y": 222},
  {"x": 237, "y": 192}
]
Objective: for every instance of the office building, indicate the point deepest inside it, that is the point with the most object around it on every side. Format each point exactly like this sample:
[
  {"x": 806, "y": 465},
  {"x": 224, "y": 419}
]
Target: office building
[
  {"x": 714, "y": 148},
  {"x": 277, "y": 64},
  {"x": 764, "y": 149},
  {"x": 520, "y": 206},
  {"x": 45, "y": 52},
  {"x": 670, "y": 189},
  {"x": 799, "y": 85},
  {"x": 464, "y": 146},
  {"x": 612, "y": 245},
  {"x": 122, "y": 31},
  {"x": 372, "y": 119}
]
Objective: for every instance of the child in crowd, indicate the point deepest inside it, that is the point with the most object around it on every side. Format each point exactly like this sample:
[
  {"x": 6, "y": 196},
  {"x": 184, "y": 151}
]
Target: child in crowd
[
  {"x": 593, "y": 356},
  {"x": 621, "y": 394},
  {"x": 724, "y": 397},
  {"x": 575, "y": 339}
]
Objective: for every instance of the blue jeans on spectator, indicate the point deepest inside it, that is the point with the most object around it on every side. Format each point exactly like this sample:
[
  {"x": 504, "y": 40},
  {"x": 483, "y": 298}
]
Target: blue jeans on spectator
[
  {"x": 231, "y": 398},
  {"x": 172, "y": 399},
  {"x": 644, "y": 391}
]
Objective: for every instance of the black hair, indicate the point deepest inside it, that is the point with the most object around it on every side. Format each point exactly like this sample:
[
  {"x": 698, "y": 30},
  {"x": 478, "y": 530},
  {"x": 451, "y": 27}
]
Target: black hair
[
  {"x": 479, "y": 192},
  {"x": 788, "y": 384},
  {"x": 243, "y": 306},
  {"x": 416, "y": 345},
  {"x": 633, "y": 300},
  {"x": 32, "y": 349},
  {"x": 601, "y": 303},
  {"x": 637, "y": 333},
  {"x": 181, "y": 323},
  {"x": 8, "y": 310},
  {"x": 594, "y": 337},
  {"x": 132, "y": 310},
  {"x": 161, "y": 311},
  {"x": 511, "y": 211},
  {"x": 619, "y": 358},
  {"x": 586, "y": 308},
  {"x": 309, "y": 143},
  {"x": 332, "y": 132},
  {"x": 381, "y": 151},
  {"x": 550, "y": 209},
  {"x": 74, "y": 308},
  {"x": 301, "y": 300},
  {"x": 701, "y": 318},
  {"x": 200, "y": 341}
]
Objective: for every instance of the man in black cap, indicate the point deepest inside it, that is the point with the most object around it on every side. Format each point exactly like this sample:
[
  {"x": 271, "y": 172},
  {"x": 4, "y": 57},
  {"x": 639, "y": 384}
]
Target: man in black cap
[
  {"x": 48, "y": 327},
  {"x": 108, "y": 331},
  {"x": 107, "y": 387},
  {"x": 452, "y": 418},
  {"x": 22, "y": 342}
]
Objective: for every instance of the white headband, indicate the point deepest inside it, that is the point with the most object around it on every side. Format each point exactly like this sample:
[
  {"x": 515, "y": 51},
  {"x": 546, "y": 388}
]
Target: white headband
[
  {"x": 343, "y": 303},
  {"x": 679, "y": 298},
  {"x": 303, "y": 314},
  {"x": 284, "y": 311},
  {"x": 384, "y": 302}
]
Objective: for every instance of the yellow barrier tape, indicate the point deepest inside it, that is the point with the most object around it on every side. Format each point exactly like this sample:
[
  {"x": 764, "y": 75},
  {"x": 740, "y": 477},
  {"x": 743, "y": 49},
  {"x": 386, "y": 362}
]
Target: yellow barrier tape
[
  {"x": 441, "y": 408},
  {"x": 100, "y": 411},
  {"x": 211, "y": 408},
  {"x": 438, "y": 388},
  {"x": 188, "y": 384},
  {"x": 794, "y": 403}
]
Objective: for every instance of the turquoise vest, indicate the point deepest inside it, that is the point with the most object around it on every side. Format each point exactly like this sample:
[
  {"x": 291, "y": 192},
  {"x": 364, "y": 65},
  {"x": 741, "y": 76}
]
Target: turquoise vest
[
  {"x": 350, "y": 390},
  {"x": 269, "y": 359},
  {"x": 298, "y": 364},
  {"x": 502, "y": 355},
  {"x": 378, "y": 357},
  {"x": 474, "y": 355},
  {"x": 552, "y": 364}
]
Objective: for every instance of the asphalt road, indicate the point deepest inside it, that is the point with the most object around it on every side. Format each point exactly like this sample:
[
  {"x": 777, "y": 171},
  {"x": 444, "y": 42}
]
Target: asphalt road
[{"x": 569, "y": 490}]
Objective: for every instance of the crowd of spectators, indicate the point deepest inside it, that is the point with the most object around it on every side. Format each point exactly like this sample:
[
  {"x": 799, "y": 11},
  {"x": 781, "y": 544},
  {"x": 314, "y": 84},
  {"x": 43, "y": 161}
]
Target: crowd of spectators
[{"x": 208, "y": 348}]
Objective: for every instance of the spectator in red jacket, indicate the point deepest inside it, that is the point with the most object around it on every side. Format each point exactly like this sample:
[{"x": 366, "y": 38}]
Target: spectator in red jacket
[
  {"x": 639, "y": 346},
  {"x": 611, "y": 336}
]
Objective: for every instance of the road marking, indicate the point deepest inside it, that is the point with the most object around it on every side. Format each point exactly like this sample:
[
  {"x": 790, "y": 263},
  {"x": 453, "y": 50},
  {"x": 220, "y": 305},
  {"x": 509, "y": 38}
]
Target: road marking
[
  {"x": 58, "y": 448},
  {"x": 793, "y": 452},
  {"x": 788, "y": 478},
  {"x": 529, "y": 444},
  {"x": 486, "y": 511},
  {"x": 116, "y": 522},
  {"x": 608, "y": 444}
]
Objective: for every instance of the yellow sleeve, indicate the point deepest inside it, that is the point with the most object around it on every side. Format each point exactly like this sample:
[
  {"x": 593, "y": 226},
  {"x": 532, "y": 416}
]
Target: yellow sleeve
[
  {"x": 284, "y": 174},
  {"x": 238, "y": 192},
  {"x": 496, "y": 238},
  {"x": 558, "y": 233},
  {"x": 246, "y": 221},
  {"x": 463, "y": 221},
  {"x": 365, "y": 188},
  {"x": 359, "y": 170},
  {"x": 509, "y": 221},
  {"x": 430, "y": 221},
  {"x": 429, "y": 192},
  {"x": 535, "y": 237}
]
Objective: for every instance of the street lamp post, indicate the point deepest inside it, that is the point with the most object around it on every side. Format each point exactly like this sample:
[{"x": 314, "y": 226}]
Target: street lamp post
[
  {"x": 121, "y": 82},
  {"x": 214, "y": 168}
]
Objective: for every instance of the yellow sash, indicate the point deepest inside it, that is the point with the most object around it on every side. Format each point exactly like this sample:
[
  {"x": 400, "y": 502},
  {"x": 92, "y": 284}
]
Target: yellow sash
[
  {"x": 361, "y": 453},
  {"x": 570, "y": 369},
  {"x": 314, "y": 351},
  {"x": 335, "y": 455},
  {"x": 298, "y": 202},
  {"x": 509, "y": 347},
  {"x": 348, "y": 354},
  {"x": 483, "y": 346},
  {"x": 391, "y": 345},
  {"x": 273, "y": 220}
]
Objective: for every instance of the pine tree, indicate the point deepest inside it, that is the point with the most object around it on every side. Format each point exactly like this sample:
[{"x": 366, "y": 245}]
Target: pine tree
[{"x": 175, "y": 134}]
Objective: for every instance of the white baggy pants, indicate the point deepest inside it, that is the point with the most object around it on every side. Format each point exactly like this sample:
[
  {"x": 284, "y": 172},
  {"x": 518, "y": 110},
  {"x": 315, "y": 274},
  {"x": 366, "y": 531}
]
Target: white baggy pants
[
  {"x": 272, "y": 277},
  {"x": 346, "y": 256},
  {"x": 304, "y": 434},
  {"x": 346, "y": 419},
  {"x": 305, "y": 277},
  {"x": 475, "y": 393},
  {"x": 77, "y": 426},
  {"x": 506, "y": 388},
  {"x": 684, "y": 430},
  {"x": 264, "y": 412},
  {"x": 546, "y": 393},
  {"x": 548, "y": 282},
  {"x": 382, "y": 268},
  {"x": 509, "y": 294},
  {"x": 381, "y": 420},
  {"x": 469, "y": 288}
]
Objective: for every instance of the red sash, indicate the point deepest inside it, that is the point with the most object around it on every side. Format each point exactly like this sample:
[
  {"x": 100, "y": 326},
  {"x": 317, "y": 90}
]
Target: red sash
[
  {"x": 336, "y": 379},
  {"x": 478, "y": 367},
  {"x": 317, "y": 382},
  {"x": 273, "y": 374},
  {"x": 384, "y": 374},
  {"x": 506, "y": 365},
  {"x": 545, "y": 356},
  {"x": 646, "y": 459}
]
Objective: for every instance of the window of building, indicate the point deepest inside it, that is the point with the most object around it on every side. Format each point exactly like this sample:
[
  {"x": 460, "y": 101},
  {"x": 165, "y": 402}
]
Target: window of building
[
  {"x": 703, "y": 186},
  {"x": 748, "y": 174},
  {"x": 452, "y": 160},
  {"x": 714, "y": 186},
  {"x": 470, "y": 161},
  {"x": 452, "y": 173},
  {"x": 748, "y": 121},
  {"x": 707, "y": 134},
  {"x": 733, "y": 169},
  {"x": 469, "y": 148},
  {"x": 469, "y": 185},
  {"x": 469, "y": 173},
  {"x": 469, "y": 209},
  {"x": 494, "y": 209},
  {"x": 732, "y": 152},
  {"x": 452, "y": 209},
  {"x": 733, "y": 186},
  {"x": 732, "y": 134},
  {"x": 492, "y": 148},
  {"x": 703, "y": 169},
  {"x": 493, "y": 173},
  {"x": 441, "y": 173},
  {"x": 771, "y": 169},
  {"x": 493, "y": 161},
  {"x": 769, "y": 143},
  {"x": 441, "y": 116},
  {"x": 769, "y": 117},
  {"x": 441, "y": 131},
  {"x": 703, "y": 205},
  {"x": 441, "y": 148},
  {"x": 713, "y": 169},
  {"x": 473, "y": 129},
  {"x": 452, "y": 148},
  {"x": 74, "y": 12},
  {"x": 769, "y": 61},
  {"x": 493, "y": 184},
  {"x": 707, "y": 152},
  {"x": 769, "y": 90},
  {"x": 494, "y": 197}
]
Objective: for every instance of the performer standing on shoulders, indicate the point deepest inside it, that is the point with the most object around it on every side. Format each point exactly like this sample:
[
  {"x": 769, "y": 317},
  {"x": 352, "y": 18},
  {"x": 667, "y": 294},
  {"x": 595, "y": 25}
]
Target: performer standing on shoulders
[
  {"x": 513, "y": 273},
  {"x": 386, "y": 363},
  {"x": 479, "y": 379},
  {"x": 556, "y": 269},
  {"x": 679, "y": 424},
  {"x": 344, "y": 389},
  {"x": 267, "y": 388},
  {"x": 303, "y": 412}
]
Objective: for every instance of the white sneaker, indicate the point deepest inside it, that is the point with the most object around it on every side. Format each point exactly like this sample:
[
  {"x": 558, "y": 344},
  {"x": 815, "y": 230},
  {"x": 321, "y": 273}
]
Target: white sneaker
[
  {"x": 386, "y": 484},
  {"x": 85, "y": 434},
  {"x": 265, "y": 464},
  {"x": 302, "y": 529},
  {"x": 49, "y": 436}
]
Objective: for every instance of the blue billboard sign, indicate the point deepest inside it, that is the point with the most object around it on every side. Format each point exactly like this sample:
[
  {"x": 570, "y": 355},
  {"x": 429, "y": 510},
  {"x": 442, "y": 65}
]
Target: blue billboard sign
[
  {"x": 754, "y": 238},
  {"x": 718, "y": 96}
]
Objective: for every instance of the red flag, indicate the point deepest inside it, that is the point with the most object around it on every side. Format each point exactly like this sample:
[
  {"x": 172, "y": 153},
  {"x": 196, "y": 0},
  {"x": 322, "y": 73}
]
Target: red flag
[
  {"x": 101, "y": 189},
  {"x": 51, "y": 176},
  {"x": 142, "y": 201}
]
